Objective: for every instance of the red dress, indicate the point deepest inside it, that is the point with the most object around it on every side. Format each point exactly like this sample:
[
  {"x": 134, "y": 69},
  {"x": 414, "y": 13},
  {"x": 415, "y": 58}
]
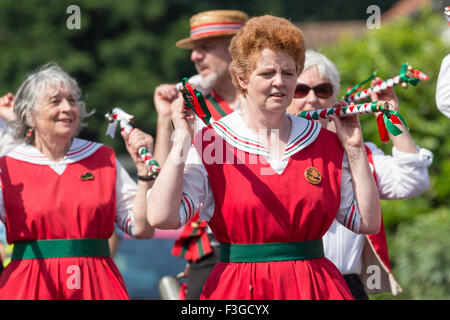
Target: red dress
[
  {"x": 42, "y": 205},
  {"x": 255, "y": 205}
]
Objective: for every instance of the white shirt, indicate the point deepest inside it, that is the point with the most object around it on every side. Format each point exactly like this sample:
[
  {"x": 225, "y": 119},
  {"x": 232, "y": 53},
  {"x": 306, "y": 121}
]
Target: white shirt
[
  {"x": 7, "y": 142},
  {"x": 443, "y": 87},
  {"x": 402, "y": 175},
  {"x": 126, "y": 188},
  {"x": 197, "y": 192}
]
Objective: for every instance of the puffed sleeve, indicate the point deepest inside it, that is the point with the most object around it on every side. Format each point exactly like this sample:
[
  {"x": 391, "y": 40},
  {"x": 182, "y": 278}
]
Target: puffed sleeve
[
  {"x": 7, "y": 142},
  {"x": 126, "y": 189},
  {"x": 348, "y": 214},
  {"x": 402, "y": 175},
  {"x": 197, "y": 192}
]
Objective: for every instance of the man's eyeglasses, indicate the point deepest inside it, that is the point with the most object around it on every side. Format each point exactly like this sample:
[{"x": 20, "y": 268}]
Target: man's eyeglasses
[{"x": 322, "y": 90}]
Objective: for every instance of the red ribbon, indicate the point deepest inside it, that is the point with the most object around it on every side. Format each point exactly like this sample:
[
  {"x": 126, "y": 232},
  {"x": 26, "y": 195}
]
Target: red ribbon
[
  {"x": 384, "y": 136},
  {"x": 197, "y": 107}
]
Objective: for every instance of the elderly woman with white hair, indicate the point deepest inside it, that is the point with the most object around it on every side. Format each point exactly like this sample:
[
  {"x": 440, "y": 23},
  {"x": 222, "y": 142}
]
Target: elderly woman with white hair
[
  {"x": 61, "y": 196},
  {"x": 402, "y": 175}
]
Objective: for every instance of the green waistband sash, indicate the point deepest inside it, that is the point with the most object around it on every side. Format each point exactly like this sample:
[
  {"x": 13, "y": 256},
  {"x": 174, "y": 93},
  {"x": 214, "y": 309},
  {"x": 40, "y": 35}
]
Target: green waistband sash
[
  {"x": 275, "y": 251},
  {"x": 63, "y": 248}
]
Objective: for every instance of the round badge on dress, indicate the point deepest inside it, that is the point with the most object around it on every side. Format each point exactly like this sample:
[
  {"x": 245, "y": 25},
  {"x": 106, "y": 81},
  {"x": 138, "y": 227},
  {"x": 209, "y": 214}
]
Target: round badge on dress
[{"x": 312, "y": 175}]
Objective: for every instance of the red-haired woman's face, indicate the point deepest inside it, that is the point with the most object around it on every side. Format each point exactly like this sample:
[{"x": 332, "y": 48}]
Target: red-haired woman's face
[{"x": 271, "y": 84}]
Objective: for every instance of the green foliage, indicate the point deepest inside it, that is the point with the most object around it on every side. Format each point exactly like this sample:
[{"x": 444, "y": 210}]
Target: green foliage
[{"x": 422, "y": 252}]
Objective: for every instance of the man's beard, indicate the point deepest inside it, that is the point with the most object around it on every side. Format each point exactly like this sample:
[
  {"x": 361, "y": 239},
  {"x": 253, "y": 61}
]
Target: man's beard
[{"x": 209, "y": 81}]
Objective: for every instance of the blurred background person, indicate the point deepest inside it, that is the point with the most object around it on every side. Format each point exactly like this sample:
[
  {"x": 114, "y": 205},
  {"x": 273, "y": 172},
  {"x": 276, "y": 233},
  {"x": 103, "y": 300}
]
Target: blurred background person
[{"x": 443, "y": 87}]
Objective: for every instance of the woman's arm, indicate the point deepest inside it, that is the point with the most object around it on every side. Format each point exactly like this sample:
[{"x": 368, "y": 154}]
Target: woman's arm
[
  {"x": 364, "y": 187},
  {"x": 133, "y": 141},
  {"x": 405, "y": 174},
  {"x": 166, "y": 195},
  {"x": 164, "y": 96}
]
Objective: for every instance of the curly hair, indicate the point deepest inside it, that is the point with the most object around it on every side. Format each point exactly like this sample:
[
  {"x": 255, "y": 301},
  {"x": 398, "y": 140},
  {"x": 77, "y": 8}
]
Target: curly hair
[
  {"x": 265, "y": 32},
  {"x": 49, "y": 76}
]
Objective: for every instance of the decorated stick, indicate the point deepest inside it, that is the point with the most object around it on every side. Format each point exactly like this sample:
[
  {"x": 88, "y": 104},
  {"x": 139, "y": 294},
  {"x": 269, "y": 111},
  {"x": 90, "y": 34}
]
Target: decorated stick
[
  {"x": 118, "y": 116},
  {"x": 194, "y": 100},
  {"x": 385, "y": 120},
  {"x": 407, "y": 75}
]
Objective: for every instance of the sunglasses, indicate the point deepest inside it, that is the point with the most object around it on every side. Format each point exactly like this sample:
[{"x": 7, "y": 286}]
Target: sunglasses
[{"x": 322, "y": 90}]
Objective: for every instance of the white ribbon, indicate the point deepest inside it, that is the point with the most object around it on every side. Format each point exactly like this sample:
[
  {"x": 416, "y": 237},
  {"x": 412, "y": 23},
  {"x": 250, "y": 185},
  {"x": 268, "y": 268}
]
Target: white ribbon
[{"x": 121, "y": 117}]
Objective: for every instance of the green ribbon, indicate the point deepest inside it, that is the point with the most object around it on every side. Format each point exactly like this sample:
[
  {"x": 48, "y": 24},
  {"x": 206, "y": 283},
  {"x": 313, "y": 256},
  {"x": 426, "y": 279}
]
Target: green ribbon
[
  {"x": 390, "y": 126},
  {"x": 404, "y": 78},
  {"x": 350, "y": 91}
]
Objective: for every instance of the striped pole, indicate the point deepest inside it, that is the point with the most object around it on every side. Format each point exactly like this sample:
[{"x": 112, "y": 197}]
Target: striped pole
[
  {"x": 407, "y": 75},
  {"x": 386, "y": 120}
]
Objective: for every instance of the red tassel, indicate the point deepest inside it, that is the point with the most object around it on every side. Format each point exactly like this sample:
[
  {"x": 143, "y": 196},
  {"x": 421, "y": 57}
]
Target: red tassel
[{"x": 384, "y": 136}]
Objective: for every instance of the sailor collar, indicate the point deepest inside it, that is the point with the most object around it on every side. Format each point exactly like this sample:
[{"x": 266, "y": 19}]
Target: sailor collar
[
  {"x": 79, "y": 150},
  {"x": 235, "y": 131}
]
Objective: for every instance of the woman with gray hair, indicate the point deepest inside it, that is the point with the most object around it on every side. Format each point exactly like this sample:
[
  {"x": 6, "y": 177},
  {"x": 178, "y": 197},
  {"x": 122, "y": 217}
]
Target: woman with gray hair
[
  {"x": 402, "y": 175},
  {"x": 61, "y": 196}
]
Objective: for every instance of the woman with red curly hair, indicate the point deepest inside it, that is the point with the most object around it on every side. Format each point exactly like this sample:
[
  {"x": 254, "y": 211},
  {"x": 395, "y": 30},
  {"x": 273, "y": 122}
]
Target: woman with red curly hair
[{"x": 269, "y": 184}]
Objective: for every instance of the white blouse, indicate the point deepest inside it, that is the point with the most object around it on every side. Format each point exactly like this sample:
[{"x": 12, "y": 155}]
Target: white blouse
[
  {"x": 402, "y": 175},
  {"x": 126, "y": 188},
  {"x": 7, "y": 142},
  {"x": 197, "y": 191}
]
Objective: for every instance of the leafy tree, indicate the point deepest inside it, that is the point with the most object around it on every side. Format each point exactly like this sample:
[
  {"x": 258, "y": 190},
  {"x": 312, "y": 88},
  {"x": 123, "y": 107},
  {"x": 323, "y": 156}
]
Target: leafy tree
[{"x": 422, "y": 252}]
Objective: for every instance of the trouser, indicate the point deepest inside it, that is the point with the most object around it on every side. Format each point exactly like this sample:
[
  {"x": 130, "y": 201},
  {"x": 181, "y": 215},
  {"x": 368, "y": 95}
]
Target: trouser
[
  {"x": 198, "y": 273},
  {"x": 356, "y": 287}
]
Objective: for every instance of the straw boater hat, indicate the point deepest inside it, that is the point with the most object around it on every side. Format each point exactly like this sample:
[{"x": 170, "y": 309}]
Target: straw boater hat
[{"x": 213, "y": 23}]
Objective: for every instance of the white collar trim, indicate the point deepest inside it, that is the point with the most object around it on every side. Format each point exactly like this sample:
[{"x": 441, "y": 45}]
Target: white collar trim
[
  {"x": 234, "y": 130},
  {"x": 79, "y": 150}
]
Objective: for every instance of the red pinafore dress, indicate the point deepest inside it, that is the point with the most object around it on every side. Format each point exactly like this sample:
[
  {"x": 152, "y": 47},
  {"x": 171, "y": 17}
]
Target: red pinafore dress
[
  {"x": 43, "y": 205},
  {"x": 255, "y": 205}
]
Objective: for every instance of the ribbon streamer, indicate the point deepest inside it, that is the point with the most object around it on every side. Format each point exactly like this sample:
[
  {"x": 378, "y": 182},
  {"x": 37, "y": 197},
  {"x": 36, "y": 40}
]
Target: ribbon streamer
[
  {"x": 386, "y": 120},
  {"x": 194, "y": 100},
  {"x": 118, "y": 116},
  {"x": 407, "y": 75}
]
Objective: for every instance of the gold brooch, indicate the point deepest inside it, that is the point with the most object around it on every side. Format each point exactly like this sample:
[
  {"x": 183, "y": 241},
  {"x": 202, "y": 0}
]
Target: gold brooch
[
  {"x": 312, "y": 175},
  {"x": 87, "y": 176}
]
